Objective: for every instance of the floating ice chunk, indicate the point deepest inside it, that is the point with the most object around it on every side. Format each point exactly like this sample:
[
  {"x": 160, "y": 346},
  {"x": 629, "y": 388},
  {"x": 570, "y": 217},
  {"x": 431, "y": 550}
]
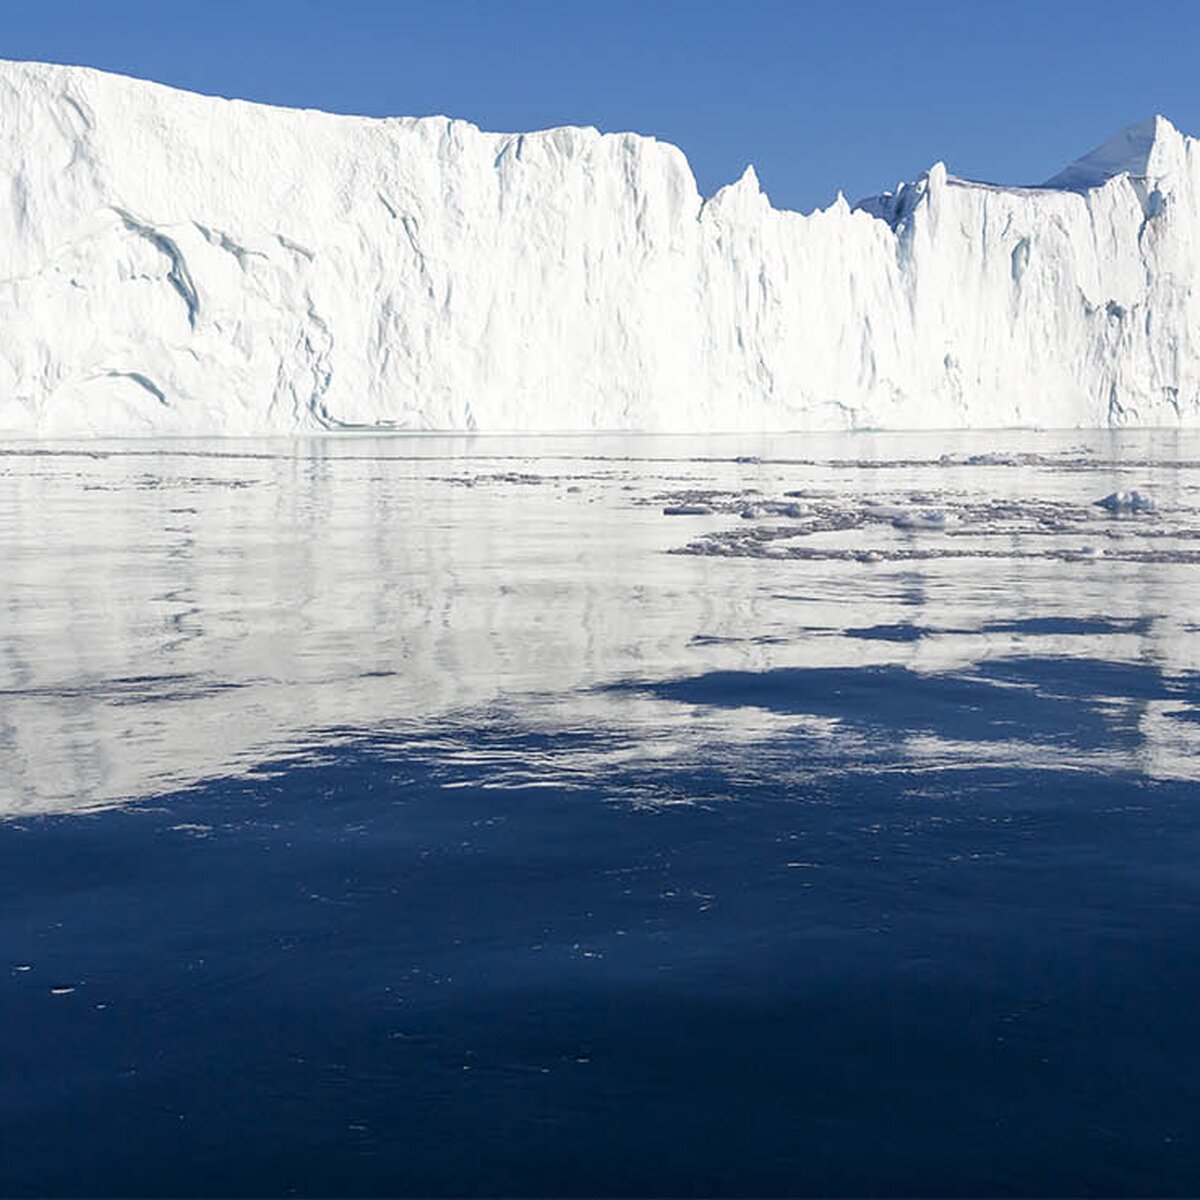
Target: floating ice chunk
[
  {"x": 878, "y": 511},
  {"x": 687, "y": 510},
  {"x": 1128, "y": 502},
  {"x": 1085, "y": 554},
  {"x": 992, "y": 459},
  {"x": 750, "y": 513},
  {"x": 929, "y": 518},
  {"x": 194, "y": 830},
  {"x": 786, "y": 510}
]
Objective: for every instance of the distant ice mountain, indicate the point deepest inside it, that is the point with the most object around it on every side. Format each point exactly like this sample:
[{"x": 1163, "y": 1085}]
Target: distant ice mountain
[
  {"x": 172, "y": 263},
  {"x": 1131, "y": 152}
]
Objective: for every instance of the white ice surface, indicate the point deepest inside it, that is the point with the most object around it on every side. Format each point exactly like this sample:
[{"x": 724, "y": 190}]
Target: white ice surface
[{"x": 172, "y": 263}]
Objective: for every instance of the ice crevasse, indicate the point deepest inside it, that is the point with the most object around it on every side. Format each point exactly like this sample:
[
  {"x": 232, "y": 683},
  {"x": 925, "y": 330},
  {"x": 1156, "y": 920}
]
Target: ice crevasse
[{"x": 180, "y": 264}]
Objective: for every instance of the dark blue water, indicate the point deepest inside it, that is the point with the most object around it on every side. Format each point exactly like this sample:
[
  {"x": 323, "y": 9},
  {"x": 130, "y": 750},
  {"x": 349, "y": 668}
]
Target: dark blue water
[
  {"x": 348, "y": 978},
  {"x": 907, "y": 904}
]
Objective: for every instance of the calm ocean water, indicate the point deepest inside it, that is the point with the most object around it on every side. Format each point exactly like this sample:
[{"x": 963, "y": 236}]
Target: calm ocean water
[{"x": 600, "y": 816}]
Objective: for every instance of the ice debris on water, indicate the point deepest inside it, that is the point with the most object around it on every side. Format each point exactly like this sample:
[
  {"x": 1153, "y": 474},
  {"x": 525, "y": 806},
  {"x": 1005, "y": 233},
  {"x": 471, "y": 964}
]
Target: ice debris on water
[
  {"x": 688, "y": 510},
  {"x": 1128, "y": 502},
  {"x": 777, "y": 508},
  {"x": 930, "y": 518},
  {"x": 968, "y": 524}
]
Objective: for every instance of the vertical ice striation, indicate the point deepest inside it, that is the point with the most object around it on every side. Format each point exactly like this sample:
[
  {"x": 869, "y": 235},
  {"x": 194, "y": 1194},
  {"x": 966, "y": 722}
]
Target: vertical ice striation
[{"x": 172, "y": 263}]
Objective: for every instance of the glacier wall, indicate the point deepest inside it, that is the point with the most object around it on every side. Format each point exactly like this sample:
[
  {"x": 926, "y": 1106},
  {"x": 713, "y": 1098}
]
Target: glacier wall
[{"x": 179, "y": 264}]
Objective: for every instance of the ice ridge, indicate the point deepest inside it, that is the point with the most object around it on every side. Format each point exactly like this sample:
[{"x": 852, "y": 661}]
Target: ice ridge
[{"x": 180, "y": 264}]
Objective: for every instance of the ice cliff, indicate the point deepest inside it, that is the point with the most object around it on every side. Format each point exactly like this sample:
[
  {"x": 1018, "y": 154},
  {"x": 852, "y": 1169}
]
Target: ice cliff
[{"x": 172, "y": 263}]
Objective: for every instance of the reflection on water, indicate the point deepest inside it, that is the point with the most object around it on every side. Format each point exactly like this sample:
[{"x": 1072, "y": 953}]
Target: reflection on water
[
  {"x": 179, "y": 611},
  {"x": 442, "y": 817}
]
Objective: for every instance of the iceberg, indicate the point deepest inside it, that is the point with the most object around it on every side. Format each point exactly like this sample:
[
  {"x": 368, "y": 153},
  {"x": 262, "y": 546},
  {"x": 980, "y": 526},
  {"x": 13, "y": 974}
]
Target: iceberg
[{"x": 176, "y": 264}]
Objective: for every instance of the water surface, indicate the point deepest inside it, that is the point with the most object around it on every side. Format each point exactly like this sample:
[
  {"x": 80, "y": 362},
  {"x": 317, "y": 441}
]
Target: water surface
[{"x": 439, "y": 816}]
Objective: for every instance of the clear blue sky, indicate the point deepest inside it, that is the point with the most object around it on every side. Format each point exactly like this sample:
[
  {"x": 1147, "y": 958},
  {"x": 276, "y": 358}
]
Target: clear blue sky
[{"x": 852, "y": 94}]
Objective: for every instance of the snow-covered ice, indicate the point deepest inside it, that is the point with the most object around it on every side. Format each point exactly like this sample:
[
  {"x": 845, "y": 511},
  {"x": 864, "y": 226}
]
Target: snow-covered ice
[{"x": 173, "y": 263}]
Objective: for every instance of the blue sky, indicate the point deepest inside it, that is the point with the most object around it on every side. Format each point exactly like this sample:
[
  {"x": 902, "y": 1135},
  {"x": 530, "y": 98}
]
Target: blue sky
[{"x": 819, "y": 96}]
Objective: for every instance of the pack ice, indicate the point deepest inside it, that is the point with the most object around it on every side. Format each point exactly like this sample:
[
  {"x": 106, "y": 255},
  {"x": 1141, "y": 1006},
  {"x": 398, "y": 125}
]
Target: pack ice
[{"x": 172, "y": 263}]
